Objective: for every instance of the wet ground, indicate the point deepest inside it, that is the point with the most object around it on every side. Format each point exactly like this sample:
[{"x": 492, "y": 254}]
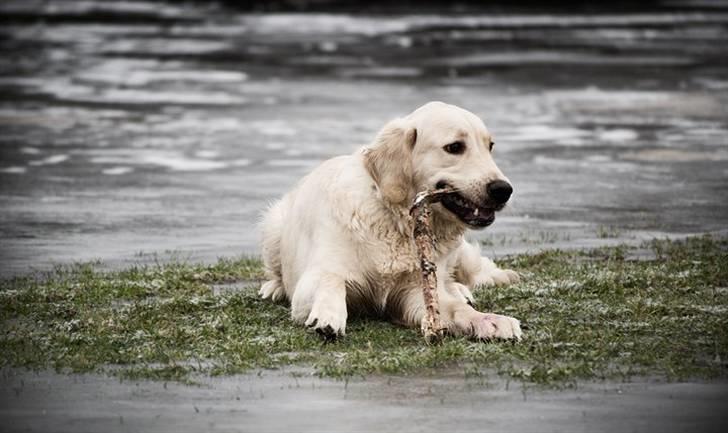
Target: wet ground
[
  {"x": 276, "y": 401},
  {"x": 135, "y": 128}
]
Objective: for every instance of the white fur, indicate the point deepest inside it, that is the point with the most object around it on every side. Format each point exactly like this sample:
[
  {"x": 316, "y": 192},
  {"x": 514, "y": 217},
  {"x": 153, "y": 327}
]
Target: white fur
[{"x": 341, "y": 240}]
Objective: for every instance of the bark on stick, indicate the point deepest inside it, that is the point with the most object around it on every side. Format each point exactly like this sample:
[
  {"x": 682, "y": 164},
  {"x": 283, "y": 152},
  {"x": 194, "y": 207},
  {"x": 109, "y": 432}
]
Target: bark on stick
[{"x": 420, "y": 211}]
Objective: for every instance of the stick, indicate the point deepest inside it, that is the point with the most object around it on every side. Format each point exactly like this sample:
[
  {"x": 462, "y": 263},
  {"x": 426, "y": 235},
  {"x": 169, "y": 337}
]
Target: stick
[{"x": 422, "y": 233}]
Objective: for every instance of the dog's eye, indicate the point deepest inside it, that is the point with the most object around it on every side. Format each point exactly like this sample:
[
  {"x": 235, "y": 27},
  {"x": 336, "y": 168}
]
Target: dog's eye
[
  {"x": 492, "y": 143},
  {"x": 456, "y": 148}
]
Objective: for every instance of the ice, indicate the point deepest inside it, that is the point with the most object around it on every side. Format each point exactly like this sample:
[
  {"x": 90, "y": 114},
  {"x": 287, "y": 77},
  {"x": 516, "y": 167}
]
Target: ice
[
  {"x": 51, "y": 160},
  {"x": 170, "y": 160},
  {"x": 293, "y": 162},
  {"x": 676, "y": 155},
  {"x": 135, "y": 73},
  {"x": 129, "y": 96},
  {"x": 546, "y": 133},
  {"x": 13, "y": 170},
  {"x": 30, "y": 150},
  {"x": 619, "y": 135},
  {"x": 116, "y": 171},
  {"x": 207, "y": 154}
]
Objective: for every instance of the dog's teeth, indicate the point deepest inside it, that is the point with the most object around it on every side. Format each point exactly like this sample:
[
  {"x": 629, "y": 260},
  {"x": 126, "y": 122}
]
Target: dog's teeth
[{"x": 476, "y": 212}]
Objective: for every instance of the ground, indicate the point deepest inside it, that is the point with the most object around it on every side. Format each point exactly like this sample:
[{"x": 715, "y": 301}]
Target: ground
[
  {"x": 606, "y": 313},
  {"x": 274, "y": 401},
  {"x": 615, "y": 329}
]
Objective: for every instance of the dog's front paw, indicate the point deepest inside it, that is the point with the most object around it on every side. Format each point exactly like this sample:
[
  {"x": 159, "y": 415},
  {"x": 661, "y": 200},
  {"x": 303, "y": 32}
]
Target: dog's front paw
[
  {"x": 272, "y": 290},
  {"x": 327, "y": 321},
  {"x": 495, "y": 276},
  {"x": 488, "y": 326},
  {"x": 461, "y": 291}
]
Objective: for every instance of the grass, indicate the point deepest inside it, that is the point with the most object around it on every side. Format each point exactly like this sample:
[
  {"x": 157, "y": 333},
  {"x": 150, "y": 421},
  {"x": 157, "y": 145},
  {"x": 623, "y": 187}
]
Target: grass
[
  {"x": 605, "y": 313},
  {"x": 528, "y": 237},
  {"x": 605, "y": 232}
]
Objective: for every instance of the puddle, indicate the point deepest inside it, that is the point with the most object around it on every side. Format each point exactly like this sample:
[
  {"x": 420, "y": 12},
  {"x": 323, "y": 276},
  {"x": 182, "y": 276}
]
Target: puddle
[{"x": 296, "y": 401}]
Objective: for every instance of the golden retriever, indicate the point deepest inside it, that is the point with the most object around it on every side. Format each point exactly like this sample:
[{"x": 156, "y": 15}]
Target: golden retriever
[{"x": 341, "y": 241}]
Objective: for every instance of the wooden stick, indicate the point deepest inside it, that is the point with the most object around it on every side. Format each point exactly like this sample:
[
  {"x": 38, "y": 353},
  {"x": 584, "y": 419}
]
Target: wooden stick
[{"x": 420, "y": 211}]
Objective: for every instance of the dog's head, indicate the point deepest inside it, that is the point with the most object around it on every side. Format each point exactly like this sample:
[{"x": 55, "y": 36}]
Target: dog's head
[{"x": 440, "y": 145}]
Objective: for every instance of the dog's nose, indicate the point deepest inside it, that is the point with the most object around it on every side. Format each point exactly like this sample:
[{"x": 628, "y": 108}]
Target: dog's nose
[{"x": 499, "y": 191}]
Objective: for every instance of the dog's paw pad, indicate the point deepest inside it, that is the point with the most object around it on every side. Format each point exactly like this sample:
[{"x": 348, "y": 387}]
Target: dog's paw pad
[
  {"x": 327, "y": 333},
  {"x": 328, "y": 326}
]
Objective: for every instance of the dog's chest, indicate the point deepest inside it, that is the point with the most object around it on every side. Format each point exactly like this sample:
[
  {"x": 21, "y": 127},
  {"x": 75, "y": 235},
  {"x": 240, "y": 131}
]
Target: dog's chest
[
  {"x": 400, "y": 261},
  {"x": 387, "y": 252}
]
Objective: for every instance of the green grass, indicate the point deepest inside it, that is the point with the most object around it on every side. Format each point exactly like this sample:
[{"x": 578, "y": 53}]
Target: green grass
[
  {"x": 605, "y": 313},
  {"x": 604, "y": 232}
]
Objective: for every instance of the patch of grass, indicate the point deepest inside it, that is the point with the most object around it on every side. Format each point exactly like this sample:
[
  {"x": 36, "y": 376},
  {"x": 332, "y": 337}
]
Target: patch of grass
[
  {"x": 589, "y": 314},
  {"x": 528, "y": 237},
  {"x": 605, "y": 232}
]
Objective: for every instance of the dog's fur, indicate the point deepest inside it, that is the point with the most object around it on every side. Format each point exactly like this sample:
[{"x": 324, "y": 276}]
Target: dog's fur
[{"x": 341, "y": 240}]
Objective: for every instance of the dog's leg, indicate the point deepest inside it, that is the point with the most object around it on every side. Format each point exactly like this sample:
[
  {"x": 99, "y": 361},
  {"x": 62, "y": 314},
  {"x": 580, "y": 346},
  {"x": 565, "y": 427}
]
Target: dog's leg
[
  {"x": 271, "y": 227},
  {"x": 464, "y": 320},
  {"x": 490, "y": 274},
  {"x": 467, "y": 321},
  {"x": 461, "y": 291},
  {"x": 473, "y": 270},
  {"x": 458, "y": 317},
  {"x": 320, "y": 303}
]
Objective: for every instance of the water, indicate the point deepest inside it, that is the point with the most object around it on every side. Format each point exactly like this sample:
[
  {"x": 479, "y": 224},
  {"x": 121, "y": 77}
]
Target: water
[
  {"x": 275, "y": 401},
  {"x": 134, "y": 128}
]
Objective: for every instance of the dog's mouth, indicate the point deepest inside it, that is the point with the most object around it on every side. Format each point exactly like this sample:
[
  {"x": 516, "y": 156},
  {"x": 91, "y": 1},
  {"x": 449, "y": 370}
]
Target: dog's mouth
[{"x": 472, "y": 214}]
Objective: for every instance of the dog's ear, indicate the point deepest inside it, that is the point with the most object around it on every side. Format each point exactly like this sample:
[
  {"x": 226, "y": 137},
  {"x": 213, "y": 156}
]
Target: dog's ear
[{"x": 389, "y": 160}]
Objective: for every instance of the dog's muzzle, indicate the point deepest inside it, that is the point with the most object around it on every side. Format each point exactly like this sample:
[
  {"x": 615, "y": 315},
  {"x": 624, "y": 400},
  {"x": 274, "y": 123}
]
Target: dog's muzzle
[{"x": 477, "y": 215}]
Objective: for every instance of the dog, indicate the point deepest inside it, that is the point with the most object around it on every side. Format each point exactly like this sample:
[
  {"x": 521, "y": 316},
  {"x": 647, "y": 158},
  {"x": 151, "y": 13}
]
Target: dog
[{"x": 341, "y": 241}]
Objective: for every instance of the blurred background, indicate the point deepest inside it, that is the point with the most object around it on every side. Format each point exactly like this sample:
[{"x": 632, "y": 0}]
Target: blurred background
[{"x": 141, "y": 130}]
